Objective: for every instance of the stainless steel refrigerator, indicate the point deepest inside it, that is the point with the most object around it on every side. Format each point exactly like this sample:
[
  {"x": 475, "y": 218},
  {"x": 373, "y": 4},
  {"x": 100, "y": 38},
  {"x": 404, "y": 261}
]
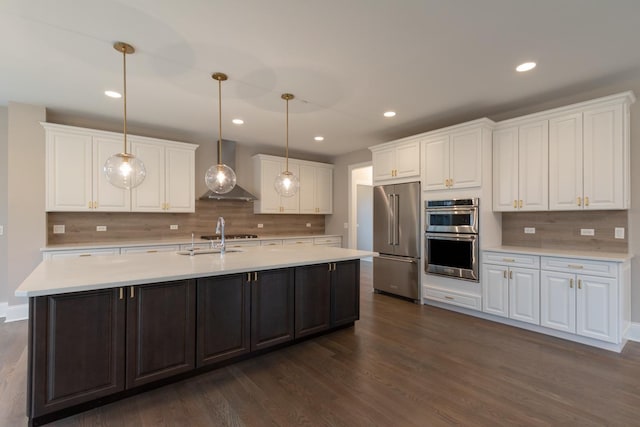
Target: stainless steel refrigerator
[{"x": 396, "y": 237}]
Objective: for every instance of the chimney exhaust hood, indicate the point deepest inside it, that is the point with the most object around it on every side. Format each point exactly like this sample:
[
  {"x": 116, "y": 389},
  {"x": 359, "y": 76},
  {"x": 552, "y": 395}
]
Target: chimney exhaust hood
[{"x": 237, "y": 193}]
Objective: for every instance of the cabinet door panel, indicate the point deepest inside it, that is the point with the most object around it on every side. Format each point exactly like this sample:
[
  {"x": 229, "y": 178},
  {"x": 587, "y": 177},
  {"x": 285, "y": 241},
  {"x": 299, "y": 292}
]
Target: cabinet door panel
[
  {"x": 224, "y": 316},
  {"x": 160, "y": 331},
  {"x": 179, "y": 181},
  {"x": 533, "y": 164},
  {"x": 597, "y": 308},
  {"x": 324, "y": 190},
  {"x": 272, "y": 308},
  {"x": 603, "y": 158},
  {"x": 495, "y": 290},
  {"x": 565, "y": 162},
  {"x": 312, "y": 298},
  {"x": 505, "y": 169},
  {"x": 307, "y": 189},
  {"x": 524, "y": 295},
  {"x": 384, "y": 162},
  {"x": 408, "y": 160},
  {"x": 466, "y": 159},
  {"x": 81, "y": 354},
  {"x": 149, "y": 196},
  {"x": 108, "y": 198},
  {"x": 558, "y": 301},
  {"x": 69, "y": 172},
  {"x": 345, "y": 293},
  {"x": 436, "y": 163}
]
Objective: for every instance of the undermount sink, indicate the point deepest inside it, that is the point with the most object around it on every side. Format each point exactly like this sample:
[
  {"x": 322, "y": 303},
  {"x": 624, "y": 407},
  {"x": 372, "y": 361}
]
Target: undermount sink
[{"x": 199, "y": 251}]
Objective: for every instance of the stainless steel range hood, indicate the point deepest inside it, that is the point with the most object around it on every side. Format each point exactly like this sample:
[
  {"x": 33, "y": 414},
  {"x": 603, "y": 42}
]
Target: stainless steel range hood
[{"x": 238, "y": 193}]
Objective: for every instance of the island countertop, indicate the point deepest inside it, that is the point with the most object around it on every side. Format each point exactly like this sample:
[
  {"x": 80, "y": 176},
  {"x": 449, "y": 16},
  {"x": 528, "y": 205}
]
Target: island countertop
[{"x": 57, "y": 276}]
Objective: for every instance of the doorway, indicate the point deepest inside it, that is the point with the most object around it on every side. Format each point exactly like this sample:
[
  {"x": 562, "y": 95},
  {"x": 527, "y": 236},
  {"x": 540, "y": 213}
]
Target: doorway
[{"x": 361, "y": 206}]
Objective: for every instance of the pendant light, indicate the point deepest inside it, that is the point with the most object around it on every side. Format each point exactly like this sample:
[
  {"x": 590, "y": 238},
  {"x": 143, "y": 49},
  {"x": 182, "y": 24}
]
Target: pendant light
[
  {"x": 124, "y": 170},
  {"x": 286, "y": 183},
  {"x": 220, "y": 178}
]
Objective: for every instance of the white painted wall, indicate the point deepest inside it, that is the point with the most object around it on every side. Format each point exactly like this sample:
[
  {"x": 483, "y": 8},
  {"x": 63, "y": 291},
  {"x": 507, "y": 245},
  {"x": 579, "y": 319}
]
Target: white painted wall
[
  {"x": 4, "y": 146},
  {"x": 26, "y": 220}
]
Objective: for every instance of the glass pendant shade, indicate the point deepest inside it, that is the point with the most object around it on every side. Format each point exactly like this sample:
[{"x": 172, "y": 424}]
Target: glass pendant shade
[
  {"x": 124, "y": 171},
  {"x": 220, "y": 179},
  {"x": 286, "y": 184}
]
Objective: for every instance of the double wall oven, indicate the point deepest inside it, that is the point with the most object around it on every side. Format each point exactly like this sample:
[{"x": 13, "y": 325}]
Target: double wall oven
[{"x": 451, "y": 238}]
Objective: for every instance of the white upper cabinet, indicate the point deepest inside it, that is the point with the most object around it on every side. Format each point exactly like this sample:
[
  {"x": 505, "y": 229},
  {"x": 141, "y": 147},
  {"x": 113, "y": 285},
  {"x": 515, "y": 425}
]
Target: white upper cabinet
[
  {"x": 315, "y": 195},
  {"x": 588, "y": 160},
  {"x": 520, "y": 162},
  {"x": 170, "y": 182},
  {"x": 396, "y": 161},
  {"x": 453, "y": 158},
  {"x": 586, "y": 164},
  {"x": 74, "y": 167},
  {"x": 76, "y": 182}
]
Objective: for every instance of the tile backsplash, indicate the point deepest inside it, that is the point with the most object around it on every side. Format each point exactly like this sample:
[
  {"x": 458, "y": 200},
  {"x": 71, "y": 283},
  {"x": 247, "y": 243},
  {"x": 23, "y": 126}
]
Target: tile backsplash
[
  {"x": 562, "y": 230},
  {"x": 80, "y": 227}
]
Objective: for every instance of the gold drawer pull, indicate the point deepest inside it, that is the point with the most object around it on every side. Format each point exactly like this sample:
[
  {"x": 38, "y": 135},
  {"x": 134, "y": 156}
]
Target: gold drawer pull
[
  {"x": 152, "y": 251},
  {"x": 576, "y": 266},
  {"x": 84, "y": 255},
  {"x": 508, "y": 260},
  {"x": 448, "y": 297}
]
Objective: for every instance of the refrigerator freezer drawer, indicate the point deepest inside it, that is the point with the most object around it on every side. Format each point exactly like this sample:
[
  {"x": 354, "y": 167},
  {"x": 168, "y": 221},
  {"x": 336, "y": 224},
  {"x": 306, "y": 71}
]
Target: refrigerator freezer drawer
[{"x": 396, "y": 275}]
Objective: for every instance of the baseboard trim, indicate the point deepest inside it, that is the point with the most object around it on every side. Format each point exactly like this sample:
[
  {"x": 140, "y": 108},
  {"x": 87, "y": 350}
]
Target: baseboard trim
[
  {"x": 18, "y": 312},
  {"x": 633, "y": 334},
  {"x": 3, "y": 309}
]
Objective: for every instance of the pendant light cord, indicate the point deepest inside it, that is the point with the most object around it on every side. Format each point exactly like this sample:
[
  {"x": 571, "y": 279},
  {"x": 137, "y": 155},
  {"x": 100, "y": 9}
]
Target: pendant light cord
[
  {"x": 124, "y": 67},
  {"x": 287, "y": 140},
  {"x": 220, "y": 122}
]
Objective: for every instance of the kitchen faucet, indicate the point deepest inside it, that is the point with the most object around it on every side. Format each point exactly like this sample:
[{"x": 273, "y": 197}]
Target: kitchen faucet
[{"x": 220, "y": 230}]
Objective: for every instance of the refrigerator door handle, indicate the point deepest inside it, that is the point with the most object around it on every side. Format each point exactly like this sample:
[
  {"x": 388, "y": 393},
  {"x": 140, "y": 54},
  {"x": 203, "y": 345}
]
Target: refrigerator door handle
[
  {"x": 396, "y": 227},
  {"x": 401, "y": 259},
  {"x": 391, "y": 220}
]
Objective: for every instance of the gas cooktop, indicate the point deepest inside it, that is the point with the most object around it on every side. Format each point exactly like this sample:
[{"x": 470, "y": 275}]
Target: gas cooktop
[{"x": 231, "y": 236}]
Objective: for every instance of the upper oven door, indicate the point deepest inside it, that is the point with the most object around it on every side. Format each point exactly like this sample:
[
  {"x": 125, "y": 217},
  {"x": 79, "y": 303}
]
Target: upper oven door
[{"x": 452, "y": 220}]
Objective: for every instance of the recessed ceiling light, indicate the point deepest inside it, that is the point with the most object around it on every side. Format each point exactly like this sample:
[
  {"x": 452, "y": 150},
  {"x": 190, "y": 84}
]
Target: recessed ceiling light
[
  {"x": 112, "y": 94},
  {"x": 318, "y": 138},
  {"x": 237, "y": 121},
  {"x": 389, "y": 113},
  {"x": 526, "y": 66}
]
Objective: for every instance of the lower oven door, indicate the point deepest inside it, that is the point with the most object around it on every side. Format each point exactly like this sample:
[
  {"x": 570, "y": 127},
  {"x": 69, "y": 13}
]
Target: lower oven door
[{"x": 454, "y": 255}]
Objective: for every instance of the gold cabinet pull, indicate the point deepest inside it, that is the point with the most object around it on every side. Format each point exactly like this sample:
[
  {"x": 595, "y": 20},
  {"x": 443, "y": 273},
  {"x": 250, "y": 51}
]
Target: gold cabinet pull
[
  {"x": 520, "y": 204},
  {"x": 248, "y": 277},
  {"x": 571, "y": 283},
  {"x": 510, "y": 274},
  {"x": 579, "y": 283},
  {"x": 95, "y": 205},
  {"x": 579, "y": 201},
  {"x": 515, "y": 204},
  {"x": 168, "y": 206},
  {"x": 504, "y": 274},
  {"x": 132, "y": 292},
  {"x": 586, "y": 201},
  {"x": 334, "y": 266},
  {"x": 329, "y": 266},
  {"x": 121, "y": 293},
  {"x": 255, "y": 276},
  {"x": 90, "y": 205}
]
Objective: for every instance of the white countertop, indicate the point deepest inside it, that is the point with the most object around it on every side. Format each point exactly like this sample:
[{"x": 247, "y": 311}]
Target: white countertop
[
  {"x": 63, "y": 275},
  {"x": 167, "y": 241},
  {"x": 570, "y": 253}
]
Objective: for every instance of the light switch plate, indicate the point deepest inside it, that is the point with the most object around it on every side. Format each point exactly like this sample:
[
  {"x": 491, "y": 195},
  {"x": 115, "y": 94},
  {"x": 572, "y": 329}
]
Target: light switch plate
[
  {"x": 308, "y": 225},
  {"x": 529, "y": 230},
  {"x": 101, "y": 228},
  {"x": 173, "y": 227},
  {"x": 619, "y": 233},
  {"x": 587, "y": 232},
  {"x": 1, "y": 230},
  {"x": 260, "y": 225},
  {"x": 58, "y": 229},
  {"x": 346, "y": 225}
]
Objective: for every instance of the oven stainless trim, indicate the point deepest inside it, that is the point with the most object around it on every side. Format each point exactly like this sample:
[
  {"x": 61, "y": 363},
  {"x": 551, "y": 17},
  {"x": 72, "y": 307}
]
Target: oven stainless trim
[
  {"x": 453, "y": 272},
  {"x": 472, "y": 210}
]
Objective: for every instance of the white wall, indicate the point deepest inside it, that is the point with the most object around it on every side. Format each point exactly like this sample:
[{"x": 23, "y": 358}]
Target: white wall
[
  {"x": 26, "y": 220},
  {"x": 4, "y": 145}
]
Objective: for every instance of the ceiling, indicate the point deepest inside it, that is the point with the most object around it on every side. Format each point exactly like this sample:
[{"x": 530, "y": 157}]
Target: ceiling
[{"x": 434, "y": 62}]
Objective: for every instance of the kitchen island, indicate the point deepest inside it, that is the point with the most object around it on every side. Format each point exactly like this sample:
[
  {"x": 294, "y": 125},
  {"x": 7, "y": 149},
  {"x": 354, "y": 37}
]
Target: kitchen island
[{"x": 103, "y": 328}]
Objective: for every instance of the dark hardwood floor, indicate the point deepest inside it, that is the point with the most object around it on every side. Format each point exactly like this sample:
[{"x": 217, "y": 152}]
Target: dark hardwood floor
[{"x": 401, "y": 365}]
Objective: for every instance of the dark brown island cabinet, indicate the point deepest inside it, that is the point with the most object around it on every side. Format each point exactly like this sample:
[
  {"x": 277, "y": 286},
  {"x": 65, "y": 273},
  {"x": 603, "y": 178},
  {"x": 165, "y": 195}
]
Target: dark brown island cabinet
[{"x": 90, "y": 348}]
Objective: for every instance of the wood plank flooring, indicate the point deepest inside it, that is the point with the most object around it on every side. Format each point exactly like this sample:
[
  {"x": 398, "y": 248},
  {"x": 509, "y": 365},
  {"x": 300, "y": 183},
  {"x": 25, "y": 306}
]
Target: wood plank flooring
[{"x": 401, "y": 365}]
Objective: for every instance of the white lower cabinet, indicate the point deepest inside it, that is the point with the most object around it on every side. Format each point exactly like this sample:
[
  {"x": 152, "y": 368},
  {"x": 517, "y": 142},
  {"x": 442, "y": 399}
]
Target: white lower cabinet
[
  {"x": 149, "y": 249},
  {"x": 77, "y": 253},
  {"x": 583, "y": 297},
  {"x": 512, "y": 292}
]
